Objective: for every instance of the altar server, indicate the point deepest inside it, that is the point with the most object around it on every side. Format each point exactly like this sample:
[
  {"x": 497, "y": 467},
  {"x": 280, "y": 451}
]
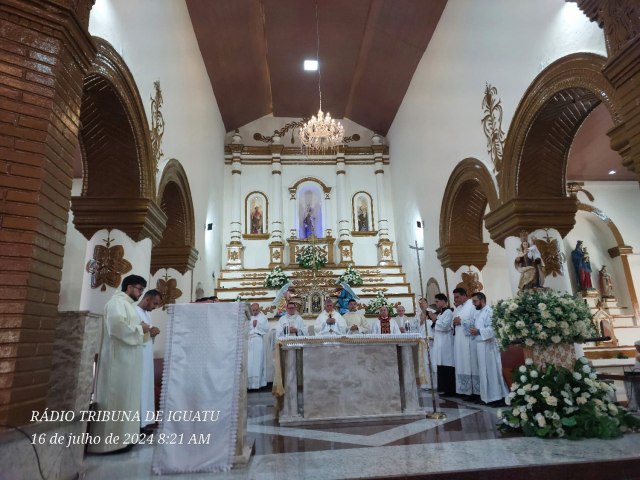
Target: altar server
[
  {"x": 493, "y": 388},
  {"x": 330, "y": 322},
  {"x": 384, "y": 324},
  {"x": 356, "y": 321},
  {"x": 443, "y": 345},
  {"x": 465, "y": 355},
  {"x": 258, "y": 328},
  {"x": 291, "y": 324}
]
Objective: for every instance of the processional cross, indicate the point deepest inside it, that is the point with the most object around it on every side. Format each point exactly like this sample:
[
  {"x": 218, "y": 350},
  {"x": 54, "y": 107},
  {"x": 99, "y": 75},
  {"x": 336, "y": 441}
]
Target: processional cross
[{"x": 417, "y": 249}]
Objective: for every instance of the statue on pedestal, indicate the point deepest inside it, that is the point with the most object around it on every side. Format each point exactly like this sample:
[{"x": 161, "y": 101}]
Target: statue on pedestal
[
  {"x": 606, "y": 283},
  {"x": 582, "y": 265},
  {"x": 528, "y": 263}
]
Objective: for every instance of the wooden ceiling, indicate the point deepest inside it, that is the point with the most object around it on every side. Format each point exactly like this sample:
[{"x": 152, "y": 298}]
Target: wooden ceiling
[{"x": 253, "y": 51}]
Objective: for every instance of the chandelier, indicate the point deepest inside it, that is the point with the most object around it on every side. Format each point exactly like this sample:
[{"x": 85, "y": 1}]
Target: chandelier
[{"x": 321, "y": 133}]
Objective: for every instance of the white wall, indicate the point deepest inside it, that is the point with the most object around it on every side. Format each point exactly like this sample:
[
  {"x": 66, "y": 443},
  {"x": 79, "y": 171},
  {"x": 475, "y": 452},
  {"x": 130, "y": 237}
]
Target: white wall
[
  {"x": 503, "y": 42},
  {"x": 156, "y": 40}
]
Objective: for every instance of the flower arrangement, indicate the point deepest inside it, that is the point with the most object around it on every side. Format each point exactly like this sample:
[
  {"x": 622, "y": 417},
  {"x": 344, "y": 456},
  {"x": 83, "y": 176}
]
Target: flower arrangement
[
  {"x": 374, "y": 305},
  {"x": 556, "y": 402},
  {"x": 351, "y": 277},
  {"x": 542, "y": 317},
  {"x": 275, "y": 279},
  {"x": 311, "y": 257}
]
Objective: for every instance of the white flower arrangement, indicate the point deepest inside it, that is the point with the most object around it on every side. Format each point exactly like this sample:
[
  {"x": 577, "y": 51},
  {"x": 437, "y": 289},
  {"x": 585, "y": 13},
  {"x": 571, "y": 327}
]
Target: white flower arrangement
[
  {"x": 311, "y": 257},
  {"x": 351, "y": 277},
  {"x": 380, "y": 301},
  {"x": 556, "y": 402},
  {"x": 542, "y": 317},
  {"x": 276, "y": 279}
]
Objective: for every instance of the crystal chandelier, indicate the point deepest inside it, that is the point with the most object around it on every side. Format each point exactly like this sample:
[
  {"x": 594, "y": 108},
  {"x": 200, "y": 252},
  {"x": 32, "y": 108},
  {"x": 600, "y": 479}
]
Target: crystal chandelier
[{"x": 321, "y": 133}]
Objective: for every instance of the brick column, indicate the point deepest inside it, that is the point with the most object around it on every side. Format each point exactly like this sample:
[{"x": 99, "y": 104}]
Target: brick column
[{"x": 44, "y": 50}]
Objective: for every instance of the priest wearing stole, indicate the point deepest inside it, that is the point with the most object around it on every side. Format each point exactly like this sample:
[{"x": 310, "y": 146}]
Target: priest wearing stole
[
  {"x": 442, "y": 354},
  {"x": 356, "y": 321},
  {"x": 492, "y": 386},
  {"x": 258, "y": 328},
  {"x": 406, "y": 324},
  {"x": 291, "y": 323},
  {"x": 384, "y": 324},
  {"x": 150, "y": 301},
  {"x": 330, "y": 322},
  {"x": 465, "y": 355}
]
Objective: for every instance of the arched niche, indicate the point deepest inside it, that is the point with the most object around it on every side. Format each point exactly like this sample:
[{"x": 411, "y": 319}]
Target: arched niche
[
  {"x": 118, "y": 169},
  {"x": 310, "y": 207},
  {"x": 468, "y": 192},
  {"x": 176, "y": 248},
  {"x": 532, "y": 181}
]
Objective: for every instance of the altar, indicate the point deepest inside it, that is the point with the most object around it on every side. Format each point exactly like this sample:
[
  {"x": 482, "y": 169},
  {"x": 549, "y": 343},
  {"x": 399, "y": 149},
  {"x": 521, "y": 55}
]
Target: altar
[{"x": 355, "y": 378}]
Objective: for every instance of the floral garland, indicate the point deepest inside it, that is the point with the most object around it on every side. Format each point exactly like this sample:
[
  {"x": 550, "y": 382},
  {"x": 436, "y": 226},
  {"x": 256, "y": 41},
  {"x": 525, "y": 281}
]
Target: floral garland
[
  {"x": 380, "y": 301},
  {"x": 311, "y": 257},
  {"x": 542, "y": 317},
  {"x": 559, "y": 403},
  {"x": 351, "y": 277},
  {"x": 276, "y": 279}
]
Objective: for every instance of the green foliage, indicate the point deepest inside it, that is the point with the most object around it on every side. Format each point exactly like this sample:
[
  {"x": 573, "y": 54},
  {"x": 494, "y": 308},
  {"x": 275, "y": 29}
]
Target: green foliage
[{"x": 351, "y": 277}]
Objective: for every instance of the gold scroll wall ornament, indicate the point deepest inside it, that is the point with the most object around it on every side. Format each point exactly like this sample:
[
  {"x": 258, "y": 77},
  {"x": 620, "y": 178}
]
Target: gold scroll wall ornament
[
  {"x": 157, "y": 125},
  {"x": 470, "y": 282},
  {"x": 375, "y": 289},
  {"x": 492, "y": 125},
  {"x": 168, "y": 288},
  {"x": 107, "y": 265}
]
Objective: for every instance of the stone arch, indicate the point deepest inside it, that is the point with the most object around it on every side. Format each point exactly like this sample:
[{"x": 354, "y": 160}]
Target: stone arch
[
  {"x": 468, "y": 192},
  {"x": 176, "y": 248},
  {"x": 532, "y": 181},
  {"x": 118, "y": 189}
]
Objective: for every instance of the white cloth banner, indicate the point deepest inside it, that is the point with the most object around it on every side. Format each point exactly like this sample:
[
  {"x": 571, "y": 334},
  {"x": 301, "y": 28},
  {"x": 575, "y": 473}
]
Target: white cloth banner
[{"x": 206, "y": 345}]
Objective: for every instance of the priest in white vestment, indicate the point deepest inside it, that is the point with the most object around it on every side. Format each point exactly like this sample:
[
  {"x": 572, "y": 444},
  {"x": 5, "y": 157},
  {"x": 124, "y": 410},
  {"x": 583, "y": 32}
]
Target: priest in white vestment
[
  {"x": 384, "y": 324},
  {"x": 291, "y": 324},
  {"x": 465, "y": 355},
  {"x": 356, "y": 321},
  {"x": 413, "y": 323},
  {"x": 150, "y": 301},
  {"x": 119, "y": 368},
  {"x": 258, "y": 328},
  {"x": 493, "y": 388},
  {"x": 330, "y": 322},
  {"x": 442, "y": 354}
]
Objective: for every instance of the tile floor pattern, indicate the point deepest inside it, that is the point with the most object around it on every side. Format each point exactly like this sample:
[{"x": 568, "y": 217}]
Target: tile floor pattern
[{"x": 465, "y": 443}]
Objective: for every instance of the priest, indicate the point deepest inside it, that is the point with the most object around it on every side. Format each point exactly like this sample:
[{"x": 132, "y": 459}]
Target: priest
[
  {"x": 330, "y": 322},
  {"x": 443, "y": 345},
  {"x": 356, "y": 321},
  {"x": 464, "y": 348},
  {"x": 258, "y": 328},
  {"x": 493, "y": 388},
  {"x": 291, "y": 324},
  {"x": 384, "y": 324},
  {"x": 406, "y": 324}
]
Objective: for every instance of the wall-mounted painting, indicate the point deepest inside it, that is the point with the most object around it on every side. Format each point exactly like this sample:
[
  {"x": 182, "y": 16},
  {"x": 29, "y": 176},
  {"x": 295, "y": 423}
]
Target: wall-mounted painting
[
  {"x": 256, "y": 214},
  {"x": 362, "y": 212}
]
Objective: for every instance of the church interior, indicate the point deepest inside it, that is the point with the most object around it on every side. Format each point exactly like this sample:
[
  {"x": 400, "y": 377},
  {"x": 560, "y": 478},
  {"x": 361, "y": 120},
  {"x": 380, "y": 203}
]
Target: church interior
[{"x": 178, "y": 140}]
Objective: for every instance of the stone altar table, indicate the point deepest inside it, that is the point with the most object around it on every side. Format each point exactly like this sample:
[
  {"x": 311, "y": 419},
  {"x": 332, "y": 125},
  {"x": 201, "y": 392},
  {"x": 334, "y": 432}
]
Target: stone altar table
[{"x": 350, "y": 378}]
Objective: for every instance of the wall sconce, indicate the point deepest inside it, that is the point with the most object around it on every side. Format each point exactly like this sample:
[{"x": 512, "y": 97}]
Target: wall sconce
[{"x": 419, "y": 224}]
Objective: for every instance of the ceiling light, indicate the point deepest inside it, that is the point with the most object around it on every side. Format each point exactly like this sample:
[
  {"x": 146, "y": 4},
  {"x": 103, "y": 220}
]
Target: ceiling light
[
  {"x": 321, "y": 133},
  {"x": 311, "y": 65},
  {"x": 612, "y": 172}
]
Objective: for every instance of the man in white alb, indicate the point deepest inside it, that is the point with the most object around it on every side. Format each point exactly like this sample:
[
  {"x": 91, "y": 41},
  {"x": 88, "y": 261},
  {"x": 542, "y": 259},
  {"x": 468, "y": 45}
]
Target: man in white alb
[
  {"x": 493, "y": 388},
  {"x": 291, "y": 324},
  {"x": 384, "y": 324},
  {"x": 442, "y": 355},
  {"x": 403, "y": 321},
  {"x": 258, "y": 328},
  {"x": 330, "y": 322},
  {"x": 464, "y": 347},
  {"x": 150, "y": 301},
  {"x": 356, "y": 321}
]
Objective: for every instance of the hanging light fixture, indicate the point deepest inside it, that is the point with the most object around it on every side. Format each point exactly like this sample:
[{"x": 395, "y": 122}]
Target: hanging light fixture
[{"x": 322, "y": 133}]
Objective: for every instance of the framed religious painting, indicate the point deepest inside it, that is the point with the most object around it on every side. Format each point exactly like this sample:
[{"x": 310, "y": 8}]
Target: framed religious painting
[
  {"x": 256, "y": 216},
  {"x": 362, "y": 214}
]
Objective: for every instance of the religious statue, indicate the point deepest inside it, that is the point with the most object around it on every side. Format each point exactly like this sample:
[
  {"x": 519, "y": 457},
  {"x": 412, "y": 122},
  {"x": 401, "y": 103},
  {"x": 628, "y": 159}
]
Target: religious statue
[
  {"x": 345, "y": 295},
  {"x": 606, "y": 283},
  {"x": 363, "y": 218},
  {"x": 256, "y": 220},
  {"x": 308, "y": 223},
  {"x": 582, "y": 265},
  {"x": 528, "y": 263}
]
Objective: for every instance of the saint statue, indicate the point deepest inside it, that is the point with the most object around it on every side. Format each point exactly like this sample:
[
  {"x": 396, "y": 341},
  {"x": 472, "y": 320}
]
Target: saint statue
[
  {"x": 308, "y": 223},
  {"x": 582, "y": 266},
  {"x": 363, "y": 218},
  {"x": 606, "y": 283},
  {"x": 528, "y": 263},
  {"x": 256, "y": 220}
]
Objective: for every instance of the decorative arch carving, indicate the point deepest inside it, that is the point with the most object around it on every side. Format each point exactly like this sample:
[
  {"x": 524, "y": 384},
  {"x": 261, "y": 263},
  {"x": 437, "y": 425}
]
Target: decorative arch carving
[
  {"x": 326, "y": 189},
  {"x": 532, "y": 182},
  {"x": 176, "y": 248},
  {"x": 468, "y": 192},
  {"x": 118, "y": 189}
]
